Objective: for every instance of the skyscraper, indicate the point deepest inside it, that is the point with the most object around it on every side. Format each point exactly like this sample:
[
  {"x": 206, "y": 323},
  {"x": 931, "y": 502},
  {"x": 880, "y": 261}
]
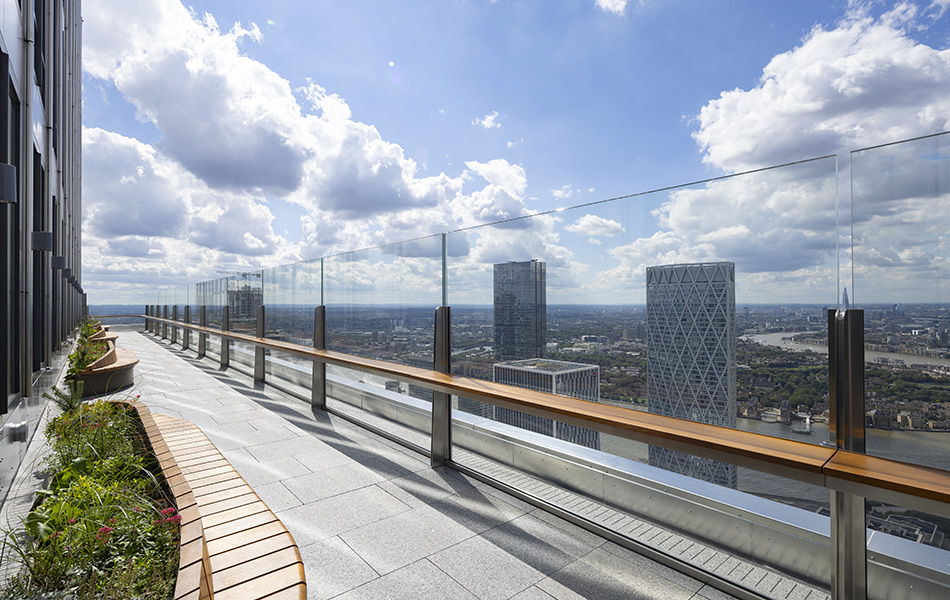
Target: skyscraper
[
  {"x": 691, "y": 356},
  {"x": 520, "y": 310},
  {"x": 577, "y": 380}
]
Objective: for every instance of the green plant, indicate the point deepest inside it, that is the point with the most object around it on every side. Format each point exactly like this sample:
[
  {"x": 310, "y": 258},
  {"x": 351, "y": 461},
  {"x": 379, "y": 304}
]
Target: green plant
[
  {"x": 87, "y": 350},
  {"x": 105, "y": 527},
  {"x": 69, "y": 399}
]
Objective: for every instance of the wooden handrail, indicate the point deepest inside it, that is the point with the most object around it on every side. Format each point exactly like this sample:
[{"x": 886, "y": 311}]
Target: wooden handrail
[{"x": 917, "y": 486}]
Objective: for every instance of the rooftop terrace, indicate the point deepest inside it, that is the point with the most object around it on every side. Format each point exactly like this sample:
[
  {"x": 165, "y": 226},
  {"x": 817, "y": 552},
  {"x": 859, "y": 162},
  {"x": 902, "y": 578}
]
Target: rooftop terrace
[{"x": 371, "y": 517}]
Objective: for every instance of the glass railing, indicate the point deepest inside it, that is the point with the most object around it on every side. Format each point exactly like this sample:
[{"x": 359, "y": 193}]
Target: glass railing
[
  {"x": 901, "y": 262},
  {"x": 708, "y": 302},
  {"x": 380, "y": 304}
]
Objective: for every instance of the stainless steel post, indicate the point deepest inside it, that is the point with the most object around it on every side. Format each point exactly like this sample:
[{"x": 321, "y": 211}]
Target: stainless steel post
[
  {"x": 259, "y": 350},
  {"x": 165, "y": 325},
  {"x": 185, "y": 332},
  {"x": 225, "y": 342},
  {"x": 846, "y": 406},
  {"x": 174, "y": 327},
  {"x": 148, "y": 322},
  {"x": 318, "y": 385},
  {"x": 202, "y": 337},
  {"x": 441, "y": 402}
]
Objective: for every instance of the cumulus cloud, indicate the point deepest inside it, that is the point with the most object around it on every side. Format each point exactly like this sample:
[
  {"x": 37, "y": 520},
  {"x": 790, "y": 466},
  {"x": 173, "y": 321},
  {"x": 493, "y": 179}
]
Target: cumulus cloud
[
  {"x": 236, "y": 136},
  {"x": 617, "y": 7},
  {"x": 863, "y": 82},
  {"x": 566, "y": 192},
  {"x": 136, "y": 201},
  {"x": 596, "y": 226},
  {"x": 489, "y": 121}
]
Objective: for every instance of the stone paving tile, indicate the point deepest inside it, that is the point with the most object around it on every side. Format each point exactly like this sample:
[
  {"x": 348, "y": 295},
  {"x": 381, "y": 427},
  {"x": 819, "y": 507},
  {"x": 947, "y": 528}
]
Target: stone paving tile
[
  {"x": 476, "y": 564},
  {"x": 477, "y": 511},
  {"x": 402, "y": 539},
  {"x": 339, "y": 514},
  {"x": 419, "y": 580},
  {"x": 333, "y": 568},
  {"x": 276, "y": 496},
  {"x": 601, "y": 574},
  {"x": 537, "y": 543},
  {"x": 330, "y": 482},
  {"x": 430, "y": 485},
  {"x": 533, "y": 593}
]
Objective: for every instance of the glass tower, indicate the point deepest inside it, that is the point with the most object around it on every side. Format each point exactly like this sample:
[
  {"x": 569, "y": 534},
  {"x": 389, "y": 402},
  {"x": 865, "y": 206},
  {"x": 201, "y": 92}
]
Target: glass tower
[
  {"x": 520, "y": 310},
  {"x": 691, "y": 356}
]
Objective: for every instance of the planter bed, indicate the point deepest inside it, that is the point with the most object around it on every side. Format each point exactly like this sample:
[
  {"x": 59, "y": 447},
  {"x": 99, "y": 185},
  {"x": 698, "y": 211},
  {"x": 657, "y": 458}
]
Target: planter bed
[
  {"x": 110, "y": 372},
  {"x": 232, "y": 544}
]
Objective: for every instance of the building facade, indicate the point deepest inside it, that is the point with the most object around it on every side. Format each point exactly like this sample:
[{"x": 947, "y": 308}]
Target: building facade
[
  {"x": 577, "y": 380},
  {"x": 520, "y": 310},
  {"x": 41, "y": 295},
  {"x": 691, "y": 356}
]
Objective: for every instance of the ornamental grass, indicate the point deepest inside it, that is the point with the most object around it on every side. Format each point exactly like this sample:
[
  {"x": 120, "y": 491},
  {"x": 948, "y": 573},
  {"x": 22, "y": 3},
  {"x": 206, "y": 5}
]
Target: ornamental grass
[{"x": 106, "y": 527}]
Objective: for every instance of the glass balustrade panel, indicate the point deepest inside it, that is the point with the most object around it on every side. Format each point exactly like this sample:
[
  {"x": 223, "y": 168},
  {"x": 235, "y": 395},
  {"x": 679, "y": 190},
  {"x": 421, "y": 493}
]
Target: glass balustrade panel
[
  {"x": 901, "y": 249},
  {"x": 380, "y": 304},
  {"x": 705, "y": 302},
  {"x": 291, "y": 293}
]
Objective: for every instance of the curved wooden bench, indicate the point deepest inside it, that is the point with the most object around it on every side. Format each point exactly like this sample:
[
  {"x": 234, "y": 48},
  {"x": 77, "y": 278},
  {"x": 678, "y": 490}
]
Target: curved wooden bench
[
  {"x": 232, "y": 545},
  {"x": 110, "y": 372}
]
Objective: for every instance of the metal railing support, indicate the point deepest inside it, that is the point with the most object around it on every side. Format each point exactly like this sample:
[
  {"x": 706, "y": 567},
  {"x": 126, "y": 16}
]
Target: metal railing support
[
  {"x": 259, "y": 350},
  {"x": 442, "y": 402},
  {"x": 165, "y": 325},
  {"x": 186, "y": 333},
  {"x": 225, "y": 342},
  {"x": 202, "y": 337},
  {"x": 148, "y": 313},
  {"x": 846, "y": 404},
  {"x": 318, "y": 384},
  {"x": 174, "y": 328}
]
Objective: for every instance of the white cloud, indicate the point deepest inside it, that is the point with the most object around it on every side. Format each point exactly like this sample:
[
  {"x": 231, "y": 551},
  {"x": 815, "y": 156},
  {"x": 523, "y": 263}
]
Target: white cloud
[
  {"x": 594, "y": 225},
  {"x": 513, "y": 143},
  {"x": 235, "y": 136},
  {"x": 864, "y": 82},
  {"x": 566, "y": 192},
  {"x": 489, "y": 121},
  {"x": 617, "y": 7}
]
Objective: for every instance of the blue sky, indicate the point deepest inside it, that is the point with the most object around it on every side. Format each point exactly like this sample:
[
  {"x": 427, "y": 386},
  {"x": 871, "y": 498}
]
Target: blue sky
[{"x": 232, "y": 135}]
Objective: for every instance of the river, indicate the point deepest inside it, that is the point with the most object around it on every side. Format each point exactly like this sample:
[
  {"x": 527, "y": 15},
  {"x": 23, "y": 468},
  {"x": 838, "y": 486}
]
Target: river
[{"x": 778, "y": 340}]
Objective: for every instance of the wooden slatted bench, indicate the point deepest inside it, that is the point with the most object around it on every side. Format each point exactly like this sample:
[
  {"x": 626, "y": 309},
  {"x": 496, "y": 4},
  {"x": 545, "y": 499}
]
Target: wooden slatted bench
[
  {"x": 232, "y": 545},
  {"x": 110, "y": 372}
]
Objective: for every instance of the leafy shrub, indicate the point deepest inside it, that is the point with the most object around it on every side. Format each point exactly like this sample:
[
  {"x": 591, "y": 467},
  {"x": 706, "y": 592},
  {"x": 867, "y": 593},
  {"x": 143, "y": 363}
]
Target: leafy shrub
[
  {"x": 106, "y": 527},
  {"x": 87, "y": 350}
]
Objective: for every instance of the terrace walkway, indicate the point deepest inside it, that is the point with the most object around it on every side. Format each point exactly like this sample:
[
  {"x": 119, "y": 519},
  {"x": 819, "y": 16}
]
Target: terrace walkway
[{"x": 372, "y": 518}]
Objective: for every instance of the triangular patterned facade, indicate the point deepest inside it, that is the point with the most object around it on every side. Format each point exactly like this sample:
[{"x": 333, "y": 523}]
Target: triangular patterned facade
[{"x": 691, "y": 356}]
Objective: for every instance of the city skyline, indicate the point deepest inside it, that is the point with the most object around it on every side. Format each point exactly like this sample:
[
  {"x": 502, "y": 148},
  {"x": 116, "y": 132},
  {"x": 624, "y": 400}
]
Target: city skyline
[{"x": 389, "y": 140}]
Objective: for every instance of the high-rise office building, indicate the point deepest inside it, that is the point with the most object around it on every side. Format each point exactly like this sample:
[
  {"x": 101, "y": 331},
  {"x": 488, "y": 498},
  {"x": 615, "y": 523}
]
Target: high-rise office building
[
  {"x": 520, "y": 310},
  {"x": 577, "y": 380},
  {"x": 691, "y": 356},
  {"x": 41, "y": 294}
]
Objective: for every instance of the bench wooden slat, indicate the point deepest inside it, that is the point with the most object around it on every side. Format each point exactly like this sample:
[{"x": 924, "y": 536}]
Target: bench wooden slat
[
  {"x": 257, "y": 567},
  {"x": 264, "y": 586},
  {"x": 224, "y": 524}
]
